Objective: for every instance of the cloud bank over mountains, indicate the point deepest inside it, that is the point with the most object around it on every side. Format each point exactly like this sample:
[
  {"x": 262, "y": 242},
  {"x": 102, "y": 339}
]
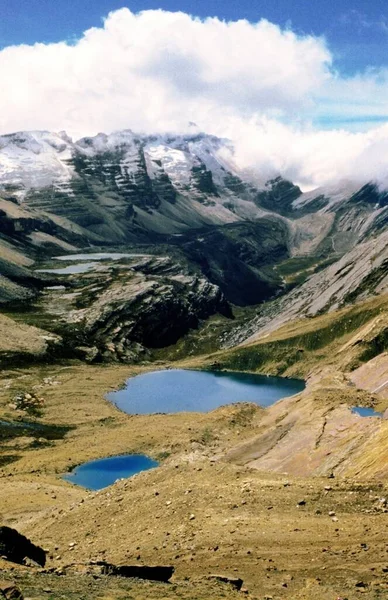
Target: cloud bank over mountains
[{"x": 157, "y": 71}]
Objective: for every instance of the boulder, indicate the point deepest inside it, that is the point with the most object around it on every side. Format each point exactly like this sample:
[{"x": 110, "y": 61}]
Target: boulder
[
  {"x": 16, "y": 547},
  {"x": 236, "y": 582},
  {"x": 10, "y": 591},
  {"x": 86, "y": 353},
  {"x": 157, "y": 573}
]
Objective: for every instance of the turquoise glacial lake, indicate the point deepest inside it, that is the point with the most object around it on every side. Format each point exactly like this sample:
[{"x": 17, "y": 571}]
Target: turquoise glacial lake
[
  {"x": 98, "y": 474},
  {"x": 180, "y": 390},
  {"x": 172, "y": 391}
]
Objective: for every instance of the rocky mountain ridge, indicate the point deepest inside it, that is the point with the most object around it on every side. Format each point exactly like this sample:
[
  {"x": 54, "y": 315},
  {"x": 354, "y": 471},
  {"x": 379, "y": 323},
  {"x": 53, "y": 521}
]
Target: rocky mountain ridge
[
  {"x": 248, "y": 240},
  {"x": 133, "y": 187}
]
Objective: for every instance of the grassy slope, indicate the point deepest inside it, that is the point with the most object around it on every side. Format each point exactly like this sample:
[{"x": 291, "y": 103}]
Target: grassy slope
[
  {"x": 342, "y": 339},
  {"x": 18, "y": 338}
]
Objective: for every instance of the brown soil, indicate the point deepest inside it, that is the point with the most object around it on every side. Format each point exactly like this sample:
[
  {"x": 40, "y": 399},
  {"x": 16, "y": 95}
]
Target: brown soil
[{"x": 201, "y": 511}]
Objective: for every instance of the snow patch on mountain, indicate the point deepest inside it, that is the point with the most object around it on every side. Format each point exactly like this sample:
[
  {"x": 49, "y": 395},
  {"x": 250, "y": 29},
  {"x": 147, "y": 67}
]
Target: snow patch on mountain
[
  {"x": 35, "y": 159},
  {"x": 39, "y": 159}
]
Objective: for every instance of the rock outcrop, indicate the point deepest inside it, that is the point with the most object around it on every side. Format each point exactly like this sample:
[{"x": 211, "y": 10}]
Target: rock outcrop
[
  {"x": 240, "y": 258},
  {"x": 154, "y": 573},
  {"x": 16, "y": 547},
  {"x": 148, "y": 308},
  {"x": 9, "y": 591},
  {"x": 235, "y": 582}
]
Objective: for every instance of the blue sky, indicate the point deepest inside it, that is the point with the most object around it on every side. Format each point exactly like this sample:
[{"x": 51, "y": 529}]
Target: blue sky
[{"x": 357, "y": 30}]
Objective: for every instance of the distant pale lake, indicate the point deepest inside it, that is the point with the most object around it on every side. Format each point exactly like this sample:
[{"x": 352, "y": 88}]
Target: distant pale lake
[
  {"x": 70, "y": 270},
  {"x": 100, "y": 256},
  {"x": 179, "y": 390},
  {"x": 84, "y": 267}
]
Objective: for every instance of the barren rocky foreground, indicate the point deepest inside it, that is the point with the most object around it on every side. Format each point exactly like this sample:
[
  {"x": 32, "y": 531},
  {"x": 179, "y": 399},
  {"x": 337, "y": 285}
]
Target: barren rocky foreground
[{"x": 291, "y": 499}]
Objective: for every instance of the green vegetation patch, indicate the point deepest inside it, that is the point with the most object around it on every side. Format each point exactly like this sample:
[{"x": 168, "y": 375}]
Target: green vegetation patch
[
  {"x": 6, "y": 459},
  {"x": 316, "y": 336}
]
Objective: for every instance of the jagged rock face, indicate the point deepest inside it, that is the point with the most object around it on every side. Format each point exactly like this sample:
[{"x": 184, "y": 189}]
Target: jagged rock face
[
  {"x": 125, "y": 185},
  {"x": 358, "y": 275},
  {"x": 130, "y": 188},
  {"x": 110, "y": 183},
  {"x": 279, "y": 196},
  {"x": 370, "y": 194},
  {"x": 144, "y": 311},
  {"x": 238, "y": 258}
]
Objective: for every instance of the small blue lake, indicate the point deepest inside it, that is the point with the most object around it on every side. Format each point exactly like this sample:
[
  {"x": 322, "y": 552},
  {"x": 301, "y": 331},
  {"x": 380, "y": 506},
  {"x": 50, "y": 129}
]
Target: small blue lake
[
  {"x": 366, "y": 412},
  {"x": 98, "y": 474},
  {"x": 179, "y": 390}
]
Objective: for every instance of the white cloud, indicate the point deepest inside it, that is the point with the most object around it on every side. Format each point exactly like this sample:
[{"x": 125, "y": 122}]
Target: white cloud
[
  {"x": 309, "y": 157},
  {"x": 156, "y": 71}
]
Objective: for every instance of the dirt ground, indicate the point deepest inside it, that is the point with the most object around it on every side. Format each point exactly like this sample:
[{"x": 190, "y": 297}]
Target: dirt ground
[{"x": 286, "y": 534}]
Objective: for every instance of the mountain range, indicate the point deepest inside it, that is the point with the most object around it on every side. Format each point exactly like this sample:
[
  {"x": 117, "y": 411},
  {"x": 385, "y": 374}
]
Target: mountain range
[{"x": 260, "y": 242}]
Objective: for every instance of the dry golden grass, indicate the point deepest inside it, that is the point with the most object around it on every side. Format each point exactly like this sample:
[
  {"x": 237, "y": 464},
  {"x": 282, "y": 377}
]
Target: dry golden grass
[
  {"x": 18, "y": 337},
  {"x": 244, "y": 473}
]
